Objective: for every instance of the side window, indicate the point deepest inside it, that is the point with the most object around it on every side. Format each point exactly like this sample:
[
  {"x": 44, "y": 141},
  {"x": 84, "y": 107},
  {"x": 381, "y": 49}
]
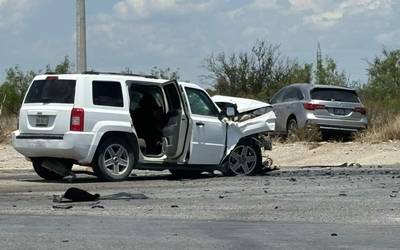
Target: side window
[
  {"x": 200, "y": 103},
  {"x": 107, "y": 93},
  {"x": 293, "y": 94},
  {"x": 277, "y": 98}
]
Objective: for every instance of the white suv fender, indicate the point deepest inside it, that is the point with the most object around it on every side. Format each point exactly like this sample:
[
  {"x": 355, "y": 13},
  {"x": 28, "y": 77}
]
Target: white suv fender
[
  {"x": 239, "y": 130},
  {"x": 103, "y": 127}
]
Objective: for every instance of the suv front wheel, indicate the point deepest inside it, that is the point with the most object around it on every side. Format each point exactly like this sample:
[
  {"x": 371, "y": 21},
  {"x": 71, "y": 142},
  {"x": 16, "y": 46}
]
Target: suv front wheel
[
  {"x": 245, "y": 159},
  {"x": 115, "y": 160}
]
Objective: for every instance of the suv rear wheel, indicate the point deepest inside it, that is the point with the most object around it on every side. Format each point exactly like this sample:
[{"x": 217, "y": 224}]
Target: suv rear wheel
[
  {"x": 115, "y": 160},
  {"x": 292, "y": 128}
]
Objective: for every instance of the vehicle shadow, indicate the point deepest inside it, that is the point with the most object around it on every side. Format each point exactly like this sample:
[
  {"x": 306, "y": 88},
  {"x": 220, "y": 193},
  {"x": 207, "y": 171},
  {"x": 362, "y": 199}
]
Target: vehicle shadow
[{"x": 82, "y": 178}]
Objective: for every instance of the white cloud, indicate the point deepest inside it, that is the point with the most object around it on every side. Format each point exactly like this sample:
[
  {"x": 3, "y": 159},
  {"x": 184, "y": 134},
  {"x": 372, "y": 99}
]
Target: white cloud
[
  {"x": 389, "y": 38},
  {"x": 145, "y": 8},
  {"x": 326, "y": 14},
  {"x": 264, "y": 4},
  {"x": 255, "y": 32},
  {"x": 13, "y": 12}
]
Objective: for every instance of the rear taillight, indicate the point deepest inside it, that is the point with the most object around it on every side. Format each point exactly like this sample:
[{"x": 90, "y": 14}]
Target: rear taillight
[
  {"x": 361, "y": 110},
  {"x": 77, "y": 119},
  {"x": 313, "y": 106}
]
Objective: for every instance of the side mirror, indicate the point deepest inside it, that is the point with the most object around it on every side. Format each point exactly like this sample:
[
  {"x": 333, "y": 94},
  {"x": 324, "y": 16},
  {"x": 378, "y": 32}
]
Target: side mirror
[{"x": 230, "y": 111}]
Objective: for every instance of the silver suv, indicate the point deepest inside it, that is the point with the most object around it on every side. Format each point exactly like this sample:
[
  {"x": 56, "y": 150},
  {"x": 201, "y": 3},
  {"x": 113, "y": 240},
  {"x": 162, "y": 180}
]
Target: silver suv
[
  {"x": 115, "y": 123},
  {"x": 331, "y": 108}
]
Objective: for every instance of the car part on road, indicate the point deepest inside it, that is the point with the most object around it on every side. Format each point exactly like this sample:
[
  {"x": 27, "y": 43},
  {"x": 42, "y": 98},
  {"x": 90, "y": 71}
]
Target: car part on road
[
  {"x": 62, "y": 207},
  {"x": 74, "y": 194},
  {"x": 115, "y": 160},
  {"x": 51, "y": 169}
]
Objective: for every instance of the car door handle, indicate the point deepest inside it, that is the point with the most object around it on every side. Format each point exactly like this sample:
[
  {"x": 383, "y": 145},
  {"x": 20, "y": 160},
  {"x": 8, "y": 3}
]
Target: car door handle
[{"x": 200, "y": 124}]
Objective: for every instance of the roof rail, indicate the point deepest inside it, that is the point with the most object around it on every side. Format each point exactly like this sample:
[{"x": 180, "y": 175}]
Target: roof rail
[{"x": 120, "y": 74}]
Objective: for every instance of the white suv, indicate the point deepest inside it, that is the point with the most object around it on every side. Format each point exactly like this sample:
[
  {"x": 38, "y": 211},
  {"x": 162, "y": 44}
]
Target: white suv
[{"x": 116, "y": 123}]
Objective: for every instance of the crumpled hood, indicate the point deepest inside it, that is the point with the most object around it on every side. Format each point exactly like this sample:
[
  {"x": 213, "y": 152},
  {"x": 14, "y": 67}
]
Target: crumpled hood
[{"x": 243, "y": 104}]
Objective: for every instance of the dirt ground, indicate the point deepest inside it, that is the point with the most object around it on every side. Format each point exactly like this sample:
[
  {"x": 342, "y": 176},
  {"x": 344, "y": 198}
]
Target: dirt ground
[{"x": 284, "y": 155}]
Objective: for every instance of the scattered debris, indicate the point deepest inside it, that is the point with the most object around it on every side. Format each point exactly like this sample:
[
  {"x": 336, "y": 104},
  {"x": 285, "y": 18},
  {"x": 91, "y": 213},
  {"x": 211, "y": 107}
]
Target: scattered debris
[
  {"x": 65, "y": 241},
  {"x": 265, "y": 191},
  {"x": 393, "y": 195},
  {"x": 174, "y": 206},
  {"x": 78, "y": 195},
  {"x": 355, "y": 165},
  {"x": 342, "y": 194},
  {"x": 344, "y": 165},
  {"x": 334, "y": 234},
  {"x": 62, "y": 206},
  {"x": 97, "y": 206},
  {"x": 124, "y": 196},
  {"x": 276, "y": 207},
  {"x": 292, "y": 179},
  {"x": 221, "y": 196},
  {"x": 75, "y": 195}
]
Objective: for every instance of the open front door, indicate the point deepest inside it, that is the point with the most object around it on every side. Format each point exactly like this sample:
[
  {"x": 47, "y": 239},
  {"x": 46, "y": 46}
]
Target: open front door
[
  {"x": 176, "y": 128},
  {"x": 208, "y": 131}
]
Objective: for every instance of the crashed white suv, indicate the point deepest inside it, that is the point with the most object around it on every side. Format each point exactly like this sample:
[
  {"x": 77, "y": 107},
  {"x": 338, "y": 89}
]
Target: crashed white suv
[{"x": 116, "y": 123}]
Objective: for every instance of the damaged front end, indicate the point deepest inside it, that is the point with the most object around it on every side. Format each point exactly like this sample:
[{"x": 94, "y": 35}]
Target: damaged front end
[{"x": 253, "y": 119}]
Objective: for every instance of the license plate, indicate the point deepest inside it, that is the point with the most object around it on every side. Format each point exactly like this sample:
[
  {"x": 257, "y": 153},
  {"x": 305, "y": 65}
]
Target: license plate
[
  {"x": 339, "y": 111},
  {"x": 42, "y": 121}
]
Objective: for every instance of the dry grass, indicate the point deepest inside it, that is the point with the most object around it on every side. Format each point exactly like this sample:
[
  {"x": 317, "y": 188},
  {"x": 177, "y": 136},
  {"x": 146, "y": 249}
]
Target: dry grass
[
  {"x": 384, "y": 130},
  {"x": 7, "y": 125},
  {"x": 309, "y": 134}
]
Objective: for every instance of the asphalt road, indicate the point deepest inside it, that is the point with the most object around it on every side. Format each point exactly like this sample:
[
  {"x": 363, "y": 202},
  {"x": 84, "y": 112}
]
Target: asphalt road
[{"x": 311, "y": 208}]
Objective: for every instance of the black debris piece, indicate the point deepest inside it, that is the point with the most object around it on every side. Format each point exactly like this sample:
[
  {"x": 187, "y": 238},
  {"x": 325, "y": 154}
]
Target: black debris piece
[
  {"x": 334, "y": 234},
  {"x": 79, "y": 195},
  {"x": 125, "y": 196},
  {"x": 174, "y": 206},
  {"x": 97, "y": 206},
  {"x": 62, "y": 206}
]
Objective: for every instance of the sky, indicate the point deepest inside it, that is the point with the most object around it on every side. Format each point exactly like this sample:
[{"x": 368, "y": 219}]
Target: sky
[{"x": 179, "y": 34}]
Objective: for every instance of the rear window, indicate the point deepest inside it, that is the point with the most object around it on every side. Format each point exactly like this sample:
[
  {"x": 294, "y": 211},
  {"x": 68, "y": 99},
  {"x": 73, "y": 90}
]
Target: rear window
[
  {"x": 107, "y": 94},
  {"x": 51, "y": 91},
  {"x": 339, "y": 95}
]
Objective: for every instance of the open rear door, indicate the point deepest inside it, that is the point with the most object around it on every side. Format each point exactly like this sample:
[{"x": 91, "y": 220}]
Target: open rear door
[{"x": 176, "y": 128}]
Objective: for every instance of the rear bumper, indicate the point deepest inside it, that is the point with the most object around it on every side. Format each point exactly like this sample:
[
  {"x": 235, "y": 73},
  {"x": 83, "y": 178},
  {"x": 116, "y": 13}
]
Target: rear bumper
[
  {"x": 338, "y": 125},
  {"x": 71, "y": 145}
]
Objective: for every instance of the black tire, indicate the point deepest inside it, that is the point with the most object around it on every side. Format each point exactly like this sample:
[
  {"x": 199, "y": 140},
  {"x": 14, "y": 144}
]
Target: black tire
[
  {"x": 107, "y": 158},
  {"x": 253, "y": 166},
  {"x": 45, "y": 173},
  {"x": 178, "y": 173},
  {"x": 291, "y": 128}
]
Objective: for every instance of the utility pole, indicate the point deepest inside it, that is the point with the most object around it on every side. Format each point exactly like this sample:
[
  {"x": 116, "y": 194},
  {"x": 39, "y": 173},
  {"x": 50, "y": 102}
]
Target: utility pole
[{"x": 80, "y": 36}]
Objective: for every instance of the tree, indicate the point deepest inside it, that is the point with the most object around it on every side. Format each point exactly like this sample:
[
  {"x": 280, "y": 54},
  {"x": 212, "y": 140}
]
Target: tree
[
  {"x": 13, "y": 90},
  {"x": 326, "y": 71},
  {"x": 64, "y": 67},
  {"x": 258, "y": 73},
  {"x": 382, "y": 91},
  {"x": 166, "y": 73}
]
